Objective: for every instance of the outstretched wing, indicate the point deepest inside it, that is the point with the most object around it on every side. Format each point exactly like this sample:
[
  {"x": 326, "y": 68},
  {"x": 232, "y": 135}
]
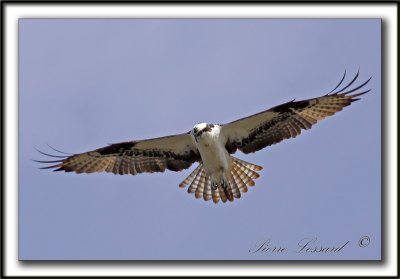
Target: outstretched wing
[
  {"x": 285, "y": 121},
  {"x": 174, "y": 153}
]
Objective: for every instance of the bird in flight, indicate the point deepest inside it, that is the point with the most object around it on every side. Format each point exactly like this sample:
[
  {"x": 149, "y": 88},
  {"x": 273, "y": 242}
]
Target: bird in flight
[{"x": 219, "y": 175}]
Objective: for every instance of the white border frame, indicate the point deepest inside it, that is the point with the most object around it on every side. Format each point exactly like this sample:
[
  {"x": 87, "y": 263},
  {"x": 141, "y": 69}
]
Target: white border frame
[{"x": 13, "y": 12}]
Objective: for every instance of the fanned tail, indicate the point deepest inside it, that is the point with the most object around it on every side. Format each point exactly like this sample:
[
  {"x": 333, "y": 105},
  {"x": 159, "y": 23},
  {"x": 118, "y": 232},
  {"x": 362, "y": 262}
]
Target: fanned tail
[{"x": 242, "y": 175}]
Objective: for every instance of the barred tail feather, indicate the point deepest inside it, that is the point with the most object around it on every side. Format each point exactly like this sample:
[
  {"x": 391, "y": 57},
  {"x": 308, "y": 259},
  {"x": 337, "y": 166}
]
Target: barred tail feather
[
  {"x": 190, "y": 178},
  {"x": 242, "y": 176},
  {"x": 241, "y": 184},
  {"x": 228, "y": 192},
  {"x": 200, "y": 186},
  {"x": 193, "y": 186},
  {"x": 235, "y": 188},
  {"x": 215, "y": 195},
  {"x": 243, "y": 173},
  {"x": 207, "y": 194},
  {"x": 247, "y": 164},
  {"x": 222, "y": 194}
]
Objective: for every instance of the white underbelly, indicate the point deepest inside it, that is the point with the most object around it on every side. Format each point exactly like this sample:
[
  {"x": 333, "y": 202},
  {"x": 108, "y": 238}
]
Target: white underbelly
[{"x": 216, "y": 160}]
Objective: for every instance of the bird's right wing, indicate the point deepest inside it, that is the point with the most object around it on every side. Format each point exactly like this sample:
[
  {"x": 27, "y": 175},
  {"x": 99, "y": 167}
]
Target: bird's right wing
[{"x": 176, "y": 152}]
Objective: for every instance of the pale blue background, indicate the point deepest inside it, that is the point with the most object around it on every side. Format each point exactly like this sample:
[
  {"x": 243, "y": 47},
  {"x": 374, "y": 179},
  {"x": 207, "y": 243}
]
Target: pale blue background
[{"x": 86, "y": 83}]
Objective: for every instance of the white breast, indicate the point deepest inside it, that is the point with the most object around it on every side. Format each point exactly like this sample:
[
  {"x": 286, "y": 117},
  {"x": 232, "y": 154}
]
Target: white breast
[{"x": 216, "y": 160}]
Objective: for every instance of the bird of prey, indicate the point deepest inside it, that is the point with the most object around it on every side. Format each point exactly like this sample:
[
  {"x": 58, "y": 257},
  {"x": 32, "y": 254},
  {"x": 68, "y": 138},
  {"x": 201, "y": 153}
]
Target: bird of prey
[{"x": 219, "y": 175}]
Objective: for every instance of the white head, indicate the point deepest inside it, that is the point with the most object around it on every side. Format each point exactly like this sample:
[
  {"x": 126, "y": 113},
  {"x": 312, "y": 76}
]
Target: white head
[{"x": 200, "y": 128}]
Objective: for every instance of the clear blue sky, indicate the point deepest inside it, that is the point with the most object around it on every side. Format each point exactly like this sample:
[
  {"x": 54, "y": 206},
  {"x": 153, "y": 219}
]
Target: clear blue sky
[{"x": 86, "y": 83}]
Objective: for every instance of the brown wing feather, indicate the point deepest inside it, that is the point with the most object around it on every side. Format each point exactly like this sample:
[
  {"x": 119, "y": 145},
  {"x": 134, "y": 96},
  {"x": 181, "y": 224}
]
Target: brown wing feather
[
  {"x": 285, "y": 121},
  {"x": 174, "y": 153}
]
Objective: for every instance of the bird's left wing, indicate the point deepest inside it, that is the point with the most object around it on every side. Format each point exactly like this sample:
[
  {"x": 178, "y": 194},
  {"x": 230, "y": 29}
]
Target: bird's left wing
[
  {"x": 176, "y": 152},
  {"x": 285, "y": 121}
]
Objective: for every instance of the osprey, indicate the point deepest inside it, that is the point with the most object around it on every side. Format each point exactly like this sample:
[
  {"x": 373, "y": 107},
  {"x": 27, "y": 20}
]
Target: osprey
[{"x": 219, "y": 175}]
